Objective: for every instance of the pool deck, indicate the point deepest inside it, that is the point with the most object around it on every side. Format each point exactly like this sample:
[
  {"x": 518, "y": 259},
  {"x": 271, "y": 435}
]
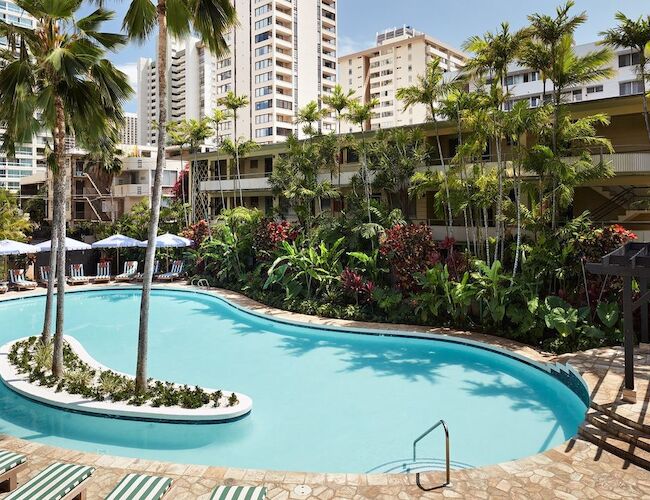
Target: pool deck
[{"x": 575, "y": 469}]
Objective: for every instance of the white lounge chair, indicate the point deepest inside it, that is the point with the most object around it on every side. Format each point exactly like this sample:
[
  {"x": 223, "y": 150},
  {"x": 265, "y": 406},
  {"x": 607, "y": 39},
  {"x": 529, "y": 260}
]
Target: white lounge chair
[
  {"x": 18, "y": 281},
  {"x": 140, "y": 487},
  {"x": 239, "y": 493},
  {"x": 77, "y": 276},
  {"x": 130, "y": 271},
  {"x": 44, "y": 273},
  {"x": 103, "y": 273},
  {"x": 156, "y": 271},
  {"x": 59, "y": 481},
  {"x": 175, "y": 272},
  {"x": 10, "y": 465}
]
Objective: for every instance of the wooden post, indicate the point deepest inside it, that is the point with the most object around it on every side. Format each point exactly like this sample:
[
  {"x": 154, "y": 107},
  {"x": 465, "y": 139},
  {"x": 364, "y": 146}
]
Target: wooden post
[{"x": 629, "y": 394}]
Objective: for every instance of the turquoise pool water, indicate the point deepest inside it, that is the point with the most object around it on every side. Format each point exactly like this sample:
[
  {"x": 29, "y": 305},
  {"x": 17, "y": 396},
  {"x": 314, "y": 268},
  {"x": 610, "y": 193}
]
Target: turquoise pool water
[{"x": 322, "y": 400}]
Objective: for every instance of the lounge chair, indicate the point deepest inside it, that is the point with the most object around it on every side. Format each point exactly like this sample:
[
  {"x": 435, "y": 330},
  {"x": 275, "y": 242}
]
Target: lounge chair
[
  {"x": 3, "y": 287},
  {"x": 44, "y": 273},
  {"x": 140, "y": 487},
  {"x": 10, "y": 465},
  {"x": 59, "y": 481},
  {"x": 130, "y": 271},
  {"x": 103, "y": 273},
  {"x": 175, "y": 273},
  {"x": 77, "y": 276},
  {"x": 18, "y": 281},
  {"x": 156, "y": 272},
  {"x": 239, "y": 492}
]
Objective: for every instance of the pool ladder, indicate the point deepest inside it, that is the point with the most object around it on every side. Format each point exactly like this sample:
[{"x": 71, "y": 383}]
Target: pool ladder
[{"x": 447, "y": 460}]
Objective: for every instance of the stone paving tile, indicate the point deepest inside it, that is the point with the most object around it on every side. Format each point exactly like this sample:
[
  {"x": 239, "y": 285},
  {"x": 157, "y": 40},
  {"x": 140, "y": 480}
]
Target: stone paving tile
[{"x": 576, "y": 469}]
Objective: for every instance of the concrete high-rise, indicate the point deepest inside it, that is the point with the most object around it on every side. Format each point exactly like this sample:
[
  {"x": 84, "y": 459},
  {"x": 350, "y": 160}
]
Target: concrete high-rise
[
  {"x": 398, "y": 58},
  {"x": 282, "y": 56}
]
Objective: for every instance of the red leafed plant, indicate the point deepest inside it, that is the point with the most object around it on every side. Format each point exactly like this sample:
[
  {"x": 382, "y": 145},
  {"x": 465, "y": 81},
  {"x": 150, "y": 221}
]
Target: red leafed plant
[
  {"x": 197, "y": 232},
  {"x": 356, "y": 287},
  {"x": 409, "y": 250},
  {"x": 270, "y": 234}
]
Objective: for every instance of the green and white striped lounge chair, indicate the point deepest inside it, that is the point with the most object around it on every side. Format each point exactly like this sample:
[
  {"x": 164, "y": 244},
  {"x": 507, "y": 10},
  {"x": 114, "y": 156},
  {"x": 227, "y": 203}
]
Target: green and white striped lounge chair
[
  {"x": 18, "y": 281},
  {"x": 77, "y": 276},
  {"x": 239, "y": 493},
  {"x": 59, "y": 481},
  {"x": 44, "y": 273},
  {"x": 10, "y": 465},
  {"x": 130, "y": 271},
  {"x": 140, "y": 487},
  {"x": 174, "y": 273},
  {"x": 103, "y": 273}
]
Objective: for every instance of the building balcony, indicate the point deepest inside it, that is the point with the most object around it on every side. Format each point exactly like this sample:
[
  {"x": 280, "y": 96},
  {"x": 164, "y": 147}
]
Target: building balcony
[
  {"x": 249, "y": 182},
  {"x": 128, "y": 190}
]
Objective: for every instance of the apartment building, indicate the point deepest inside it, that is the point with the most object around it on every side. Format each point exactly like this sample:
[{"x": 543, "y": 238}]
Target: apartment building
[
  {"x": 526, "y": 84},
  {"x": 398, "y": 58},
  {"x": 28, "y": 159},
  {"x": 273, "y": 40},
  {"x": 129, "y": 134}
]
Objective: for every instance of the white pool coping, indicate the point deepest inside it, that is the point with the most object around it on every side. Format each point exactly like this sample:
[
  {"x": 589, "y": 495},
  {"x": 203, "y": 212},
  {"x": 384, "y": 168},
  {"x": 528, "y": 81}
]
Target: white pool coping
[{"x": 20, "y": 384}]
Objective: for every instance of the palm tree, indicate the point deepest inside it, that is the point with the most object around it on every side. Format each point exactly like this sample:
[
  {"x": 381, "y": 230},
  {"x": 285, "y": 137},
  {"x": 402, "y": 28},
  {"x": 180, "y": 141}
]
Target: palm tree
[
  {"x": 210, "y": 20},
  {"x": 238, "y": 150},
  {"x": 360, "y": 115},
  {"x": 218, "y": 117},
  {"x": 198, "y": 132},
  {"x": 233, "y": 102},
  {"x": 308, "y": 116},
  {"x": 428, "y": 91},
  {"x": 59, "y": 81},
  {"x": 178, "y": 135},
  {"x": 634, "y": 35},
  {"x": 337, "y": 102}
]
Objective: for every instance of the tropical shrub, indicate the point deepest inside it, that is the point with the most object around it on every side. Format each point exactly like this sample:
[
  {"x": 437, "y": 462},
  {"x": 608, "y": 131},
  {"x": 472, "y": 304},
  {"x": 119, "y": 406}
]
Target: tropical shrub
[
  {"x": 270, "y": 235},
  {"x": 198, "y": 232},
  {"x": 356, "y": 287},
  {"x": 409, "y": 250}
]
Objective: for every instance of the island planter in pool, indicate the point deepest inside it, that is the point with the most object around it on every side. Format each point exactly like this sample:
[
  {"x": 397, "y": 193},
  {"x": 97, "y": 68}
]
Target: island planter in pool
[{"x": 208, "y": 413}]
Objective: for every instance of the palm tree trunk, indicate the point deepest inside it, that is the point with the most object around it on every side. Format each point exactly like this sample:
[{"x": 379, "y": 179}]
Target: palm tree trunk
[
  {"x": 518, "y": 244},
  {"x": 60, "y": 217},
  {"x": 450, "y": 216},
  {"x": 187, "y": 218},
  {"x": 241, "y": 195},
  {"x": 46, "y": 336},
  {"x": 644, "y": 95},
  {"x": 156, "y": 197},
  {"x": 223, "y": 199}
]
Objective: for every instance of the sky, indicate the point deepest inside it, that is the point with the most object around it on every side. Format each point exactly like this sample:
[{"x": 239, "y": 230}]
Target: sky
[{"x": 451, "y": 21}]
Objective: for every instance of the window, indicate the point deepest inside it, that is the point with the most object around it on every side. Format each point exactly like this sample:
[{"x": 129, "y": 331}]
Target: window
[
  {"x": 263, "y": 64},
  {"x": 263, "y": 119},
  {"x": 264, "y": 77},
  {"x": 261, "y": 10},
  {"x": 263, "y": 23},
  {"x": 631, "y": 88},
  {"x": 576, "y": 95},
  {"x": 263, "y": 104},
  {"x": 260, "y": 51},
  {"x": 224, "y": 63},
  {"x": 264, "y": 132},
  {"x": 224, "y": 76},
  {"x": 262, "y": 36},
  {"x": 284, "y": 104},
  {"x": 629, "y": 59},
  {"x": 169, "y": 177},
  {"x": 262, "y": 91},
  {"x": 254, "y": 164},
  {"x": 593, "y": 89}
]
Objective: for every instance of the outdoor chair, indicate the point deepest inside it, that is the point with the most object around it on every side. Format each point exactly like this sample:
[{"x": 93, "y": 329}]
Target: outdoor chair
[
  {"x": 3, "y": 287},
  {"x": 44, "y": 273},
  {"x": 175, "y": 272},
  {"x": 10, "y": 465},
  {"x": 239, "y": 493},
  {"x": 130, "y": 271},
  {"x": 103, "y": 273},
  {"x": 18, "y": 281},
  {"x": 77, "y": 276},
  {"x": 156, "y": 272},
  {"x": 140, "y": 487},
  {"x": 59, "y": 481}
]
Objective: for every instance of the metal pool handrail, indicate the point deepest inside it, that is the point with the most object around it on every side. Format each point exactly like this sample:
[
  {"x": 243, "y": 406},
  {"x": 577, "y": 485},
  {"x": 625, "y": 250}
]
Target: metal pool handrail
[{"x": 425, "y": 434}]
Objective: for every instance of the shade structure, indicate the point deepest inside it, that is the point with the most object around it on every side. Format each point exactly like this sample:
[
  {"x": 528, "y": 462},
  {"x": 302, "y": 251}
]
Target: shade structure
[
  {"x": 117, "y": 241},
  {"x": 10, "y": 247},
  {"x": 169, "y": 241},
  {"x": 70, "y": 245}
]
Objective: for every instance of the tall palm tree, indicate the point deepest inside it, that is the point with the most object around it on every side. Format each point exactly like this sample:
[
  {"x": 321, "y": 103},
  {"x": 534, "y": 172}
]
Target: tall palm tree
[
  {"x": 178, "y": 135},
  {"x": 238, "y": 149},
  {"x": 307, "y": 116},
  {"x": 210, "y": 20},
  {"x": 234, "y": 103},
  {"x": 198, "y": 132},
  {"x": 218, "y": 117},
  {"x": 633, "y": 34},
  {"x": 58, "y": 80},
  {"x": 360, "y": 115},
  {"x": 428, "y": 91},
  {"x": 337, "y": 102}
]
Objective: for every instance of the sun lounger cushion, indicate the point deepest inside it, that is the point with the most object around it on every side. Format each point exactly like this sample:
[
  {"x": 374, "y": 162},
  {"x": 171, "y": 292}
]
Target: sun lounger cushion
[
  {"x": 53, "y": 483},
  {"x": 239, "y": 493},
  {"x": 140, "y": 487},
  {"x": 9, "y": 460}
]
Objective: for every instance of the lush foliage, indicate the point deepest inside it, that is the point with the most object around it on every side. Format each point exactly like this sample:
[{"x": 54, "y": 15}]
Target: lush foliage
[{"x": 34, "y": 358}]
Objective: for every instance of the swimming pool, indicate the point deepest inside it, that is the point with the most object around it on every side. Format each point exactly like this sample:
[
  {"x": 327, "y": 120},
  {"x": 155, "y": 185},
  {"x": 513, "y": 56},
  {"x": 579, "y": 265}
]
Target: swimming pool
[{"x": 322, "y": 400}]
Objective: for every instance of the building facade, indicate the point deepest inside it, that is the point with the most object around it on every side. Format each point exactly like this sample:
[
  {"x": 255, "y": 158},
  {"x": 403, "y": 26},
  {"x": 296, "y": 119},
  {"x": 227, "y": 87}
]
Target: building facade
[
  {"x": 282, "y": 56},
  {"x": 398, "y": 58},
  {"x": 129, "y": 134},
  {"x": 28, "y": 159}
]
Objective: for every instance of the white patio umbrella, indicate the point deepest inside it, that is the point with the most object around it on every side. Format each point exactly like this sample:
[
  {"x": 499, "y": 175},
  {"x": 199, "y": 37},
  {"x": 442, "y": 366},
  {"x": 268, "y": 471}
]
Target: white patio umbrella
[
  {"x": 70, "y": 245},
  {"x": 117, "y": 241},
  {"x": 10, "y": 247},
  {"x": 168, "y": 240}
]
